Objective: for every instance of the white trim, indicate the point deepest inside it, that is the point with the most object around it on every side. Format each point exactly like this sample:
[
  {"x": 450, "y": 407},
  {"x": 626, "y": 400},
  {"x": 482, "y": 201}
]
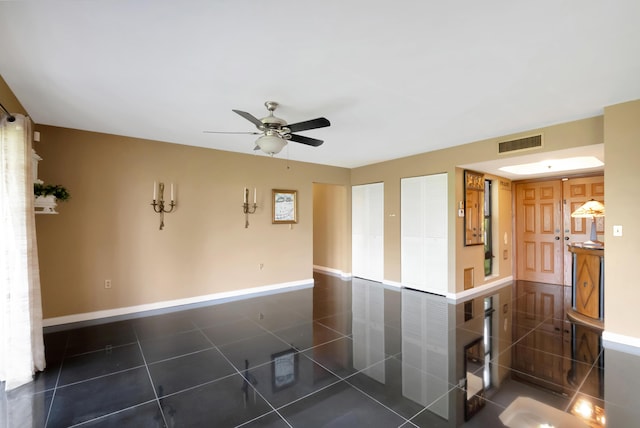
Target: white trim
[
  {"x": 482, "y": 289},
  {"x": 209, "y": 299},
  {"x": 332, "y": 271},
  {"x": 619, "y": 342},
  {"x": 461, "y": 296},
  {"x": 434, "y": 291},
  {"x": 393, "y": 284}
]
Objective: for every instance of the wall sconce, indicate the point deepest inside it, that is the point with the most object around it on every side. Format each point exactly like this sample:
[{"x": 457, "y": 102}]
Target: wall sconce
[
  {"x": 158, "y": 204},
  {"x": 246, "y": 208}
]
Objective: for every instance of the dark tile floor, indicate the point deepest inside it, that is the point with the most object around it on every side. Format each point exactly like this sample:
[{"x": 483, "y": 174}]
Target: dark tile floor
[{"x": 341, "y": 354}]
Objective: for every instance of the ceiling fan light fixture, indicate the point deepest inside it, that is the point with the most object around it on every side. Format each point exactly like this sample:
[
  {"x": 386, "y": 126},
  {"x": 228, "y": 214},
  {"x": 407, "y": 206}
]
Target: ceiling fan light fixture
[{"x": 271, "y": 144}]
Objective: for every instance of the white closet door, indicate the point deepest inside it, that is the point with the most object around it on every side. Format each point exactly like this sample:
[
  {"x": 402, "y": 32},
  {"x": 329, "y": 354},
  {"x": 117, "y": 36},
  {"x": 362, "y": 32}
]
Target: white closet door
[
  {"x": 367, "y": 225},
  {"x": 424, "y": 236}
]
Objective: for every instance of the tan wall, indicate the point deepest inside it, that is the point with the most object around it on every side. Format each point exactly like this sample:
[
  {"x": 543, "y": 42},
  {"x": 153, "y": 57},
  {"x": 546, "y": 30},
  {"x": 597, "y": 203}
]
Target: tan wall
[
  {"x": 473, "y": 256},
  {"x": 622, "y": 180},
  {"x": 331, "y": 227},
  {"x": 9, "y": 100},
  {"x": 108, "y": 229},
  {"x": 573, "y": 134}
]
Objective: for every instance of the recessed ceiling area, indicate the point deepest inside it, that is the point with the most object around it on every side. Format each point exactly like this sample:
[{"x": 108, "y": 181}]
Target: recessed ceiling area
[
  {"x": 394, "y": 79},
  {"x": 559, "y": 163}
]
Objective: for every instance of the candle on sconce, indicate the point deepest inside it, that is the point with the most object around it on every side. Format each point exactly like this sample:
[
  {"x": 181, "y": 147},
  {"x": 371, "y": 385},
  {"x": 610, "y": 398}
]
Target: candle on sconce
[
  {"x": 159, "y": 205},
  {"x": 248, "y": 208}
]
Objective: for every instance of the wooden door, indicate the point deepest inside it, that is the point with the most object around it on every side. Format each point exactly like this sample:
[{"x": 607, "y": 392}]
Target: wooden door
[
  {"x": 577, "y": 191},
  {"x": 539, "y": 232}
]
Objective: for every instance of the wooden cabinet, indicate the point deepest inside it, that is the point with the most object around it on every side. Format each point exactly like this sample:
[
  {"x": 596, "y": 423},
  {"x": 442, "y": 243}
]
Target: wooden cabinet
[{"x": 587, "y": 294}]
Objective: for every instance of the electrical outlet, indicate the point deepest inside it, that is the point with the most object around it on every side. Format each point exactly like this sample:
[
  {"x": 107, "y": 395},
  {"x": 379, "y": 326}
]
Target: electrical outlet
[
  {"x": 107, "y": 283},
  {"x": 261, "y": 266}
]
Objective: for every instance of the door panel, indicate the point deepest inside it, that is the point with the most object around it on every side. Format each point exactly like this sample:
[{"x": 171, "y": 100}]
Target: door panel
[
  {"x": 577, "y": 191},
  {"x": 367, "y": 240},
  {"x": 423, "y": 233},
  {"x": 538, "y": 230}
]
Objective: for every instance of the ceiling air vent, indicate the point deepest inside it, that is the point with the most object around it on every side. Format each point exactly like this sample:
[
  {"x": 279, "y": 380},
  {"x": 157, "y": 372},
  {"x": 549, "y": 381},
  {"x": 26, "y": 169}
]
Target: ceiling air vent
[{"x": 520, "y": 144}]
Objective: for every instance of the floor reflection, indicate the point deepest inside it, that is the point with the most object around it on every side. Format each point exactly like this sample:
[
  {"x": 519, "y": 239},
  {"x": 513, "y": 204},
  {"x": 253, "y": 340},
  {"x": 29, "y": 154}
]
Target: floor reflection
[
  {"x": 342, "y": 353},
  {"x": 455, "y": 358}
]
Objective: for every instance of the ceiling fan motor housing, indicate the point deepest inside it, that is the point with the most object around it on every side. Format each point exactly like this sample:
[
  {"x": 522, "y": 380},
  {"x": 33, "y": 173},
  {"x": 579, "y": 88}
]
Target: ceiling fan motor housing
[{"x": 273, "y": 122}]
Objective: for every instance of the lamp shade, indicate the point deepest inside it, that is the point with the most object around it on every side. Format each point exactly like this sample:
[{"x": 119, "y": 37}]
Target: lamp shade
[
  {"x": 590, "y": 209},
  {"x": 271, "y": 144}
]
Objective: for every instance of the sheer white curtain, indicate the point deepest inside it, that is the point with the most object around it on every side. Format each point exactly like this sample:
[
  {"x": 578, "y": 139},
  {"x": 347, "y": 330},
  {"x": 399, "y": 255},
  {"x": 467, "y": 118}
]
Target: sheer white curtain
[{"x": 21, "y": 344}]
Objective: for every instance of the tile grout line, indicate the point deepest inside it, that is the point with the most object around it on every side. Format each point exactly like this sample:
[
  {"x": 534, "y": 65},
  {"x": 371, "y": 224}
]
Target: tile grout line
[
  {"x": 584, "y": 379},
  {"x": 124, "y": 409},
  {"x": 337, "y": 381},
  {"x": 331, "y": 328},
  {"x": 153, "y": 387},
  {"x": 100, "y": 350},
  {"x": 378, "y": 402},
  {"x": 245, "y": 380},
  {"x": 427, "y": 407},
  {"x": 55, "y": 388}
]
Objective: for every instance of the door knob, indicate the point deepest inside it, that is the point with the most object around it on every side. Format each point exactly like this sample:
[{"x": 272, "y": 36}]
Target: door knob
[
  {"x": 566, "y": 238},
  {"x": 557, "y": 238}
]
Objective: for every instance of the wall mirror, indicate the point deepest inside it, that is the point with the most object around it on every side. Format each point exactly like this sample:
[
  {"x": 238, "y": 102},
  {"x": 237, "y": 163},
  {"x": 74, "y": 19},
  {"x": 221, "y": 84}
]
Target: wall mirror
[
  {"x": 474, "y": 383},
  {"x": 473, "y": 208}
]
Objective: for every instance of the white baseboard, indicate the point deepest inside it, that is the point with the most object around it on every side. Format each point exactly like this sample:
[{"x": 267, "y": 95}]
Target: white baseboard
[
  {"x": 479, "y": 290},
  {"x": 393, "y": 284},
  {"x": 178, "y": 304},
  {"x": 463, "y": 295},
  {"x": 332, "y": 271},
  {"x": 619, "y": 342}
]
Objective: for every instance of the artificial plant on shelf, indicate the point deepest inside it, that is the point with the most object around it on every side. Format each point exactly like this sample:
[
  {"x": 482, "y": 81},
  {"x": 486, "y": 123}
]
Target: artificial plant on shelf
[{"x": 55, "y": 190}]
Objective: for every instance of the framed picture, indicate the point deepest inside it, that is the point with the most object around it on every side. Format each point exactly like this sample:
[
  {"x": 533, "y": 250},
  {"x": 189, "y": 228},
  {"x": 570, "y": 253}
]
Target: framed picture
[
  {"x": 284, "y": 369},
  {"x": 285, "y": 207}
]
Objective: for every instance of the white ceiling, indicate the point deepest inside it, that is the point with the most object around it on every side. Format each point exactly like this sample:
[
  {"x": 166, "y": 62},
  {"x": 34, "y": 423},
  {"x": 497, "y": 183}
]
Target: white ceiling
[{"x": 394, "y": 78}]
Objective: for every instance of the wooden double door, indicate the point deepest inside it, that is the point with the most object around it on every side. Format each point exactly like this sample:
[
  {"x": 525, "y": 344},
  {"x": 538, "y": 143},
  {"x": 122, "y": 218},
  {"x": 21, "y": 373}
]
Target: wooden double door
[{"x": 544, "y": 226}]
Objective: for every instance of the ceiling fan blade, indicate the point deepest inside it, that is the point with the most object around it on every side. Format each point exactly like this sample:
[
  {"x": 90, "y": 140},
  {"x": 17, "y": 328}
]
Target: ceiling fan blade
[
  {"x": 231, "y": 132},
  {"x": 306, "y": 140},
  {"x": 250, "y": 118},
  {"x": 320, "y": 122}
]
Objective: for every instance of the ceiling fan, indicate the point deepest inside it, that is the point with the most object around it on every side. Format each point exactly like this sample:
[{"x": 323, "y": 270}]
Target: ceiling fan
[{"x": 275, "y": 133}]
